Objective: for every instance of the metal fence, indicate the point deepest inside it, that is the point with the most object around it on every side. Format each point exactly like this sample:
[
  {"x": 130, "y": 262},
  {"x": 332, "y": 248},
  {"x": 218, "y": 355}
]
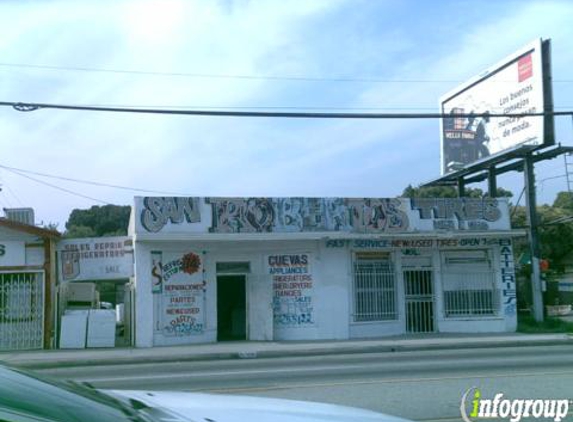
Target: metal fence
[
  {"x": 419, "y": 295},
  {"x": 374, "y": 290},
  {"x": 21, "y": 310},
  {"x": 470, "y": 293}
]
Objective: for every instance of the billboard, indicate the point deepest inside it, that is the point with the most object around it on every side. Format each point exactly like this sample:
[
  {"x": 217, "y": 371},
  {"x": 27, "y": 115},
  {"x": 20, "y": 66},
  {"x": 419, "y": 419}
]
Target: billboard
[{"x": 518, "y": 84}]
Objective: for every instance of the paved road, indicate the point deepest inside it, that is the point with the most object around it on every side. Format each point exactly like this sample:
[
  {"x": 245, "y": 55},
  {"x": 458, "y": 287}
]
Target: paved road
[{"x": 416, "y": 385}]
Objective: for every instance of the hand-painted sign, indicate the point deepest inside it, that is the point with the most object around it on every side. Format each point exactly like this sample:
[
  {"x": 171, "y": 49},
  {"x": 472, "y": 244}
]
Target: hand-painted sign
[
  {"x": 293, "y": 290},
  {"x": 12, "y": 253},
  {"x": 508, "y": 278},
  {"x": 96, "y": 258},
  {"x": 246, "y": 215},
  {"x": 304, "y": 215},
  {"x": 157, "y": 211},
  {"x": 409, "y": 243},
  {"x": 458, "y": 213},
  {"x": 182, "y": 298}
]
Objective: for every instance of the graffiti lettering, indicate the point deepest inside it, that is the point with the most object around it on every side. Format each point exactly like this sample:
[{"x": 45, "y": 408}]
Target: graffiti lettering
[
  {"x": 158, "y": 211},
  {"x": 461, "y": 208},
  {"x": 245, "y": 215}
]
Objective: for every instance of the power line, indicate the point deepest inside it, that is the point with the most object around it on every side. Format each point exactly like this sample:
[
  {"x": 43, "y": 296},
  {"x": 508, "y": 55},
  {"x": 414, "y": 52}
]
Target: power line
[
  {"x": 235, "y": 76},
  {"x": 26, "y": 107},
  {"x": 89, "y": 182},
  {"x": 59, "y": 188},
  {"x": 183, "y": 107}
]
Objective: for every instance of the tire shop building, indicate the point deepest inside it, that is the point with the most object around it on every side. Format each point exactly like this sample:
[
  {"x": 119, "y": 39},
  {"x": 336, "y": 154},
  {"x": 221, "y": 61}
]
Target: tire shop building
[
  {"x": 215, "y": 269},
  {"x": 27, "y": 281}
]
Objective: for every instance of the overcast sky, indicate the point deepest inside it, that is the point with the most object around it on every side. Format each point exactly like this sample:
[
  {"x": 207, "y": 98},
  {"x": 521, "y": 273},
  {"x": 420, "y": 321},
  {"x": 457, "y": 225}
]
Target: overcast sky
[{"x": 315, "y": 55}]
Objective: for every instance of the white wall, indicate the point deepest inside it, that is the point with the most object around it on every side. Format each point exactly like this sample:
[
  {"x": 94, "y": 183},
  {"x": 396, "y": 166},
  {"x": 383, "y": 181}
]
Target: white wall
[{"x": 332, "y": 294}]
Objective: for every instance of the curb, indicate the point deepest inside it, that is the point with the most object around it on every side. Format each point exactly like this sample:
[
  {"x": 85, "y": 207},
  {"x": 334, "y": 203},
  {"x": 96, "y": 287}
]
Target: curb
[{"x": 270, "y": 354}]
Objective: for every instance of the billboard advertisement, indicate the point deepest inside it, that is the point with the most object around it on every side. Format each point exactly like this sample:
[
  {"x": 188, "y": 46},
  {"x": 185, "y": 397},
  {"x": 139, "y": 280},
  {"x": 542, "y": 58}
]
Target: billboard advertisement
[{"x": 516, "y": 85}]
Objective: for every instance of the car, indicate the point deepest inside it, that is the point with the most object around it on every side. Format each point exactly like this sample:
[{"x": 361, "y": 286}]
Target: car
[{"x": 28, "y": 397}]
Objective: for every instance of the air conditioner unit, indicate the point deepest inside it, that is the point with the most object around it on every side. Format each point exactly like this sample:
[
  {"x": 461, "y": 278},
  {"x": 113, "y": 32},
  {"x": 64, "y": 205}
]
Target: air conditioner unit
[{"x": 21, "y": 215}]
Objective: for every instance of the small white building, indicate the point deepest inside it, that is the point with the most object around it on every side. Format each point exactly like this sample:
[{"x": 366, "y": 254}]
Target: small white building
[
  {"x": 215, "y": 269},
  {"x": 27, "y": 282}
]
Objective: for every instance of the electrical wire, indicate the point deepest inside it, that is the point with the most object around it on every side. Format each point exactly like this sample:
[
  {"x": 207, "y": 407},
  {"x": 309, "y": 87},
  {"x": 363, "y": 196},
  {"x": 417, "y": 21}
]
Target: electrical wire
[
  {"x": 27, "y": 107},
  {"x": 236, "y": 76},
  {"x": 59, "y": 188},
  {"x": 90, "y": 182}
]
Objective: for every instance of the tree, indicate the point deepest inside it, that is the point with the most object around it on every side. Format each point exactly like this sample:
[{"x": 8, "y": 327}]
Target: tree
[
  {"x": 449, "y": 192},
  {"x": 108, "y": 220},
  {"x": 564, "y": 201}
]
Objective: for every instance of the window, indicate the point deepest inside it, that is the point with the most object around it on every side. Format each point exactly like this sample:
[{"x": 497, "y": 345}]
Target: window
[
  {"x": 374, "y": 288},
  {"x": 20, "y": 296},
  {"x": 469, "y": 284}
]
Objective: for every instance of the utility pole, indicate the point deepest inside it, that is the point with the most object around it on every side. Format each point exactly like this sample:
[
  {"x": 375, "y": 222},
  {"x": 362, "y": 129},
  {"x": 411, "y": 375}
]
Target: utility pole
[
  {"x": 533, "y": 239},
  {"x": 567, "y": 164}
]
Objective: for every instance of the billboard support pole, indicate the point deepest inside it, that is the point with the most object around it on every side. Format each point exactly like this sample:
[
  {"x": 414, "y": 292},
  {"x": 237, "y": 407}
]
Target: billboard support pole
[
  {"x": 492, "y": 182},
  {"x": 537, "y": 294},
  {"x": 461, "y": 188}
]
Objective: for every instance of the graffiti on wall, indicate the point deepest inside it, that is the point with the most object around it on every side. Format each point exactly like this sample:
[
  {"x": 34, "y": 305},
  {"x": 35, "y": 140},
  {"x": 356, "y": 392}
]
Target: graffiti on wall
[
  {"x": 292, "y": 290},
  {"x": 182, "y": 296},
  {"x": 508, "y": 277},
  {"x": 255, "y": 215},
  {"x": 158, "y": 211},
  {"x": 458, "y": 213}
]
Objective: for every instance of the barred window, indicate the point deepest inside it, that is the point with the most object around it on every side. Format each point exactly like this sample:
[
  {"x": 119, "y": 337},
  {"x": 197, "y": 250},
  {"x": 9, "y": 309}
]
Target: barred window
[
  {"x": 468, "y": 282},
  {"x": 374, "y": 288}
]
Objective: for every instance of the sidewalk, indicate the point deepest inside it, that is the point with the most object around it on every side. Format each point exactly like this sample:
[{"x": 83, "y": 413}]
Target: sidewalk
[{"x": 251, "y": 350}]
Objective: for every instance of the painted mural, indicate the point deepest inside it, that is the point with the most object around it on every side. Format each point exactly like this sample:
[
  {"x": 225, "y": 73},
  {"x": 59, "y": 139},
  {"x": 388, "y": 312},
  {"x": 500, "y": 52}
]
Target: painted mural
[
  {"x": 182, "y": 289},
  {"x": 158, "y": 211},
  {"x": 458, "y": 213},
  {"x": 293, "y": 290},
  {"x": 304, "y": 215},
  {"x": 284, "y": 215}
]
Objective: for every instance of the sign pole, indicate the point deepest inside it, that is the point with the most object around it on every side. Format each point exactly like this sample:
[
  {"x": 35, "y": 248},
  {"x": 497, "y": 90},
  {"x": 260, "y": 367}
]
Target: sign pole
[
  {"x": 531, "y": 211},
  {"x": 461, "y": 188},
  {"x": 492, "y": 182}
]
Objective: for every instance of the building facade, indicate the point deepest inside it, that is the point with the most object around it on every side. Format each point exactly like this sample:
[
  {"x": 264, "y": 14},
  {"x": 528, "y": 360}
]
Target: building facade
[
  {"x": 27, "y": 285},
  {"x": 215, "y": 269}
]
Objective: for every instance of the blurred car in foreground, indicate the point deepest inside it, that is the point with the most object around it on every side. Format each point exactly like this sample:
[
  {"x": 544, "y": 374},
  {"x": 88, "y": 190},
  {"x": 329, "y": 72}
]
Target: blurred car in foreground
[{"x": 25, "y": 397}]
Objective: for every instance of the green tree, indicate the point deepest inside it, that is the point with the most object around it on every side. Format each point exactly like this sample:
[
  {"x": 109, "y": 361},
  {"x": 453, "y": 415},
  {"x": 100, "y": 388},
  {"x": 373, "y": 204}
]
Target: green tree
[
  {"x": 108, "y": 220},
  {"x": 564, "y": 200},
  {"x": 449, "y": 192}
]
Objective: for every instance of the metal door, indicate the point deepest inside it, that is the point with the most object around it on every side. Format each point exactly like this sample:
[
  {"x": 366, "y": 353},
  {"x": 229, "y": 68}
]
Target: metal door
[
  {"x": 419, "y": 294},
  {"x": 21, "y": 311}
]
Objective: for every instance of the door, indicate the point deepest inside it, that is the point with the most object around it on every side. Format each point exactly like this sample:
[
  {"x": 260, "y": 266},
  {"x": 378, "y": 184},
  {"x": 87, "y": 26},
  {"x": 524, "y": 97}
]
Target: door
[
  {"x": 231, "y": 308},
  {"x": 419, "y": 294},
  {"x": 21, "y": 310}
]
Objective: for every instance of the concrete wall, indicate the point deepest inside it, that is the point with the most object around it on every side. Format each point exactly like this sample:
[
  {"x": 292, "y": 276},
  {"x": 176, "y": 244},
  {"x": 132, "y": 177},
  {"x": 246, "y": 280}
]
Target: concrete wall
[{"x": 330, "y": 298}]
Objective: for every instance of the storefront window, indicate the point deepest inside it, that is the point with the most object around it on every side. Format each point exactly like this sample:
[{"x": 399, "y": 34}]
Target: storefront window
[
  {"x": 468, "y": 283},
  {"x": 374, "y": 288}
]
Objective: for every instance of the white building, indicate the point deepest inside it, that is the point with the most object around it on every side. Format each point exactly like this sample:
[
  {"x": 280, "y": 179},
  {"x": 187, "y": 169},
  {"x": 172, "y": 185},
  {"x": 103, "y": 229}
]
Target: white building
[
  {"x": 213, "y": 269},
  {"x": 27, "y": 282}
]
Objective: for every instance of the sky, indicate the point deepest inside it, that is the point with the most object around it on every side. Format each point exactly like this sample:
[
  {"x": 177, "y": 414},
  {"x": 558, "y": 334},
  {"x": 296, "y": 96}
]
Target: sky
[{"x": 313, "y": 55}]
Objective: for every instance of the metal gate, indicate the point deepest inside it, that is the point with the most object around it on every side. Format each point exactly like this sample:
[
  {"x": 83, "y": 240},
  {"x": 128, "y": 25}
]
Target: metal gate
[
  {"x": 21, "y": 310},
  {"x": 419, "y": 293}
]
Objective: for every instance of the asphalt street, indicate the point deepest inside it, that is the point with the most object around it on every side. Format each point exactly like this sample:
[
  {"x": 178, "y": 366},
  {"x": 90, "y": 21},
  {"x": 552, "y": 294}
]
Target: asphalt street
[{"x": 418, "y": 385}]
